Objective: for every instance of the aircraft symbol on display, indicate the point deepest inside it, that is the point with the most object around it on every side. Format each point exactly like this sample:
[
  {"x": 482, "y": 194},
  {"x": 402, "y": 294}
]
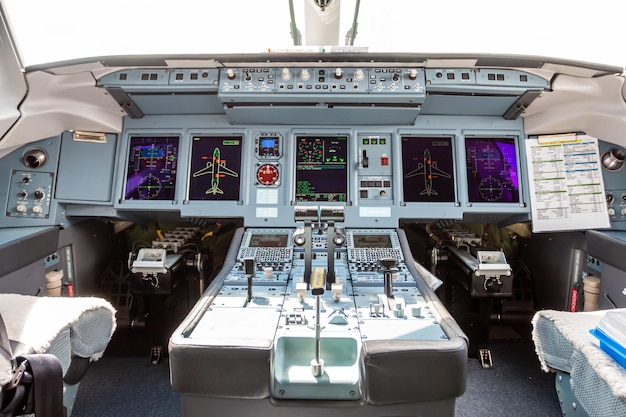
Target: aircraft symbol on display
[
  {"x": 217, "y": 168},
  {"x": 429, "y": 170}
]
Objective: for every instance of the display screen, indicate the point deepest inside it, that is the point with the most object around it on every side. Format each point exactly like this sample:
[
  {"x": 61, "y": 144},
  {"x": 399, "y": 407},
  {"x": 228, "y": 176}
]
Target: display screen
[
  {"x": 371, "y": 241},
  {"x": 427, "y": 169},
  {"x": 269, "y": 147},
  {"x": 321, "y": 168},
  {"x": 215, "y": 168},
  {"x": 152, "y": 165},
  {"x": 272, "y": 241},
  {"x": 492, "y": 170}
]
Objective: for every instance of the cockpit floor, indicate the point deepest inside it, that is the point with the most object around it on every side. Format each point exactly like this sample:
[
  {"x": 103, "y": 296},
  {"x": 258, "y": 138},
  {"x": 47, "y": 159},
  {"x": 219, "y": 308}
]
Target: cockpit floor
[{"x": 125, "y": 383}]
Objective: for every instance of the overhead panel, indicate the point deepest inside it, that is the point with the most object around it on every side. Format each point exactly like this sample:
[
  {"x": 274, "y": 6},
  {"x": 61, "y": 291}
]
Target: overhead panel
[{"x": 328, "y": 95}]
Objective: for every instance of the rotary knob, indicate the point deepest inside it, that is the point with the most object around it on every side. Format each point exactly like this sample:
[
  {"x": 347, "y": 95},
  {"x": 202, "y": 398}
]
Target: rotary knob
[
  {"x": 285, "y": 74},
  {"x": 338, "y": 73},
  {"x": 413, "y": 74},
  {"x": 359, "y": 75},
  {"x": 230, "y": 73},
  {"x": 305, "y": 75}
]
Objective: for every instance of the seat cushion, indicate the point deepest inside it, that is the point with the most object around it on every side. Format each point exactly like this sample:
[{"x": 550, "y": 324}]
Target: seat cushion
[{"x": 64, "y": 327}]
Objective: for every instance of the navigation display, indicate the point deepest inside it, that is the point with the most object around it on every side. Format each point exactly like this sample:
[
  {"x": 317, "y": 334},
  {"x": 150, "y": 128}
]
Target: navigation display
[
  {"x": 215, "y": 168},
  {"x": 321, "y": 168},
  {"x": 371, "y": 241},
  {"x": 492, "y": 170},
  {"x": 152, "y": 165},
  {"x": 427, "y": 169},
  {"x": 272, "y": 241}
]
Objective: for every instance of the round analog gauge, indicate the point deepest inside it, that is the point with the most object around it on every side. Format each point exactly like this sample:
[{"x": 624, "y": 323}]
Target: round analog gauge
[
  {"x": 149, "y": 188},
  {"x": 491, "y": 188},
  {"x": 267, "y": 174}
]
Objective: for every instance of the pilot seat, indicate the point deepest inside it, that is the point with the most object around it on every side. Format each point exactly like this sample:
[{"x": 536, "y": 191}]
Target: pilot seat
[{"x": 63, "y": 335}]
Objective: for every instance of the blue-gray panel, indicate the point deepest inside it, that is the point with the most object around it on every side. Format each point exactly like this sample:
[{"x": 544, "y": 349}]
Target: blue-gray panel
[
  {"x": 196, "y": 79},
  {"x": 609, "y": 247},
  {"x": 273, "y": 205},
  {"x": 322, "y": 115},
  {"x": 22, "y": 246},
  {"x": 85, "y": 170},
  {"x": 179, "y": 103},
  {"x": 456, "y": 78},
  {"x": 13, "y": 171},
  {"x": 137, "y": 77},
  {"x": 615, "y": 187},
  {"x": 304, "y": 81},
  {"x": 467, "y": 105}
]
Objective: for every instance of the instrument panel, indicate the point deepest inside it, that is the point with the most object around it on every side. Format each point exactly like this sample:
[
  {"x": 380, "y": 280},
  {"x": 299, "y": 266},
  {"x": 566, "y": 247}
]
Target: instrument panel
[
  {"x": 379, "y": 175},
  {"x": 387, "y": 144}
]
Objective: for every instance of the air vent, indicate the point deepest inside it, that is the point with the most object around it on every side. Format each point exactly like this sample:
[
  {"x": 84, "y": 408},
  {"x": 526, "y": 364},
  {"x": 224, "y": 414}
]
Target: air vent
[
  {"x": 613, "y": 160},
  {"x": 35, "y": 158}
]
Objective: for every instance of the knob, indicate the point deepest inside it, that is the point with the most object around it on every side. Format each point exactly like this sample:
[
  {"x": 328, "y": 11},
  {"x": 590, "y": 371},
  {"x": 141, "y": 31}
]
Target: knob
[
  {"x": 611, "y": 211},
  {"x": 21, "y": 208},
  {"x": 285, "y": 74},
  {"x": 383, "y": 193},
  {"x": 299, "y": 240},
  {"x": 305, "y": 75},
  {"x": 23, "y": 194},
  {"x": 398, "y": 311},
  {"x": 388, "y": 263},
  {"x": 623, "y": 211},
  {"x": 338, "y": 73},
  {"x": 230, "y": 73},
  {"x": 395, "y": 77},
  {"x": 359, "y": 75},
  {"x": 37, "y": 209},
  {"x": 609, "y": 198},
  {"x": 413, "y": 74},
  {"x": 38, "y": 194}
]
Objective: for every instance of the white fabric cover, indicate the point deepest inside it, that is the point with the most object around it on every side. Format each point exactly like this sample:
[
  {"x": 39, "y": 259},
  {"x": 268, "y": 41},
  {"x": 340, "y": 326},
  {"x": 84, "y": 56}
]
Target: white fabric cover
[
  {"x": 563, "y": 342},
  {"x": 66, "y": 327}
]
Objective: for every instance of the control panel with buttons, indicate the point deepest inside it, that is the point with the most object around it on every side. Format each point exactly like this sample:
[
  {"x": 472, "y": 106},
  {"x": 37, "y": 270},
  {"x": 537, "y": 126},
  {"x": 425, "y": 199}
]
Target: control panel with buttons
[
  {"x": 374, "y": 168},
  {"x": 29, "y": 194}
]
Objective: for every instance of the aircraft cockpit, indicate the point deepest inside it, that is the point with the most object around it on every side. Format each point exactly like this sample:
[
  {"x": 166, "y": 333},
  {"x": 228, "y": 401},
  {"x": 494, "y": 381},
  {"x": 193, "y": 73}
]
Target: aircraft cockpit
[{"x": 316, "y": 229}]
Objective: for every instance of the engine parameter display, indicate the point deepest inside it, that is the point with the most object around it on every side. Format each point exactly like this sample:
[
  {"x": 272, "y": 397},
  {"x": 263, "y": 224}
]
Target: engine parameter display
[{"x": 321, "y": 168}]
